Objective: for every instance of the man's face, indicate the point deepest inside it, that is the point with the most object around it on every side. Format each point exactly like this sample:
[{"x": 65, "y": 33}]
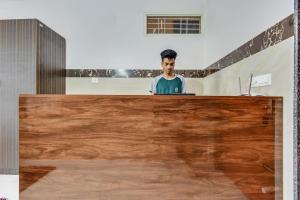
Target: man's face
[{"x": 168, "y": 65}]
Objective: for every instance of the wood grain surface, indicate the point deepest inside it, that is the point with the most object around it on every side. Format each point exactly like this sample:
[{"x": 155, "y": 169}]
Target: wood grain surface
[{"x": 168, "y": 147}]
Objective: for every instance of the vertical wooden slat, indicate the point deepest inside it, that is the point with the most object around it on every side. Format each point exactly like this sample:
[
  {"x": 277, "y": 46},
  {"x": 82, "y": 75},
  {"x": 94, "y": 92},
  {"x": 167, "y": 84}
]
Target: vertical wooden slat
[
  {"x": 17, "y": 76},
  {"x": 51, "y": 61}
]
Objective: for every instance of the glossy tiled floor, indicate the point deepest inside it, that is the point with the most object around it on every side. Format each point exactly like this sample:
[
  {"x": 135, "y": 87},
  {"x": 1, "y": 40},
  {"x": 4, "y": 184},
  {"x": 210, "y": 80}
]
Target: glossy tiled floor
[{"x": 9, "y": 187}]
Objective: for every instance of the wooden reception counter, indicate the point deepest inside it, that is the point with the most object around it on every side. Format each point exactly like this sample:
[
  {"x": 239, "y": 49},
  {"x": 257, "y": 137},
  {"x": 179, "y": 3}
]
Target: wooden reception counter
[{"x": 150, "y": 147}]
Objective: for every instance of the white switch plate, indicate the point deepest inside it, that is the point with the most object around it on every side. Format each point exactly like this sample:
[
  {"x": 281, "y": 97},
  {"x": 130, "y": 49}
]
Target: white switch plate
[
  {"x": 95, "y": 80},
  {"x": 262, "y": 80}
]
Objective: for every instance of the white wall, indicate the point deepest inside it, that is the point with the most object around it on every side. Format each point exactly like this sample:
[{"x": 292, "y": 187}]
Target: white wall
[
  {"x": 110, "y": 33},
  {"x": 231, "y": 23}
]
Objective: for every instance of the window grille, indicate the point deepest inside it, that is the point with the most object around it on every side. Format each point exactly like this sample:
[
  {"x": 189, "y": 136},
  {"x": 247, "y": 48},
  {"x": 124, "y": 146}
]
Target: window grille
[{"x": 173, "y": 24}]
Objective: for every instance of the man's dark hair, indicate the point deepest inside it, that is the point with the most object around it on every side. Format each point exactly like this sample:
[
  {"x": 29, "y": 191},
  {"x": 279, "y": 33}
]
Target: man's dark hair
[{"x": 168, "y": 53}]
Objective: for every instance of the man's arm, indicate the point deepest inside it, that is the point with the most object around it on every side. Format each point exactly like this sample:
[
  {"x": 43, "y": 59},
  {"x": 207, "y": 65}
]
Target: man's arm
[
  {"x": 183, "y": 85},
  {"x": 152, "y": 89}
]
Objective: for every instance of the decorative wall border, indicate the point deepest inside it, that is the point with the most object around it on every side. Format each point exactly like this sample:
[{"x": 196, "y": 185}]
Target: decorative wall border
[{"x": 135, "y": 73}]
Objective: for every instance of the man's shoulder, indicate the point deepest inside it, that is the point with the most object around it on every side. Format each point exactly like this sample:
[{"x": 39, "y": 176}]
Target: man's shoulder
[
  {"x": 180, "y": 77},
  {"x": 156, "y": 78}
]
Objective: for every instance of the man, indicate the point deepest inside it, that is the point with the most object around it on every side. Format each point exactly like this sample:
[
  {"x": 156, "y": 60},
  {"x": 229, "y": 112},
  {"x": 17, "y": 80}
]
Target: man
[{"x": 168, "y": 82}]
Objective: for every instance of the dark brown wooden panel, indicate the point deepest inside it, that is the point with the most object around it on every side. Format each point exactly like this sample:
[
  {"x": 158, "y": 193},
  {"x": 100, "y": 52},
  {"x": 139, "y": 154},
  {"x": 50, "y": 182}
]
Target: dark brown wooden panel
[
  {"x": 24, "y": 54},
  {"x": 17, "y": 75},
  {"x": 223, "y": 147},
  {"x": 51, "y": 61}
]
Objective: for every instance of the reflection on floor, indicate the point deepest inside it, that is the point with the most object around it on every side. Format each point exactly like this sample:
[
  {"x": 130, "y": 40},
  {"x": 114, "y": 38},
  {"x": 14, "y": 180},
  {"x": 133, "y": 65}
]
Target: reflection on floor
[
  {"x": 128, "y": 180},
  {"x": 31, "y": 174}
]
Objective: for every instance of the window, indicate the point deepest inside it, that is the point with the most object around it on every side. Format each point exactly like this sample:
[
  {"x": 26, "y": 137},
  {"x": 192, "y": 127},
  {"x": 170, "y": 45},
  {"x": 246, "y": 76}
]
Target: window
[{"x": 173, "y": 24}]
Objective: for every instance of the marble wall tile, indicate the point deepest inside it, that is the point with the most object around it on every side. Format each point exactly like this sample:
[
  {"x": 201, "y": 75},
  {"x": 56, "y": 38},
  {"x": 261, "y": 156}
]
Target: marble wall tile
[{"x": 132, "y": 73}]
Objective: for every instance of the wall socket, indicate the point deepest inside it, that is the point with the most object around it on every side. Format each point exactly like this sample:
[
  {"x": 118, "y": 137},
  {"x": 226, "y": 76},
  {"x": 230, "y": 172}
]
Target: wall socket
[
  {"x": 262, "y": 80},
  {"x": 95, "y": 80}
]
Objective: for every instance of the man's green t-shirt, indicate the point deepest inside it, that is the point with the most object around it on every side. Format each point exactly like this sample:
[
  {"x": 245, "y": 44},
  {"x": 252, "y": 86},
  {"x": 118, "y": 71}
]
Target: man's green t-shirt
[{"x": 161, "y": 85}]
